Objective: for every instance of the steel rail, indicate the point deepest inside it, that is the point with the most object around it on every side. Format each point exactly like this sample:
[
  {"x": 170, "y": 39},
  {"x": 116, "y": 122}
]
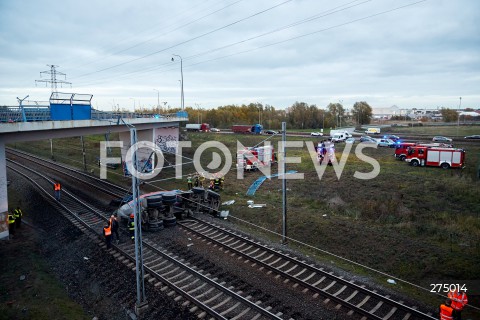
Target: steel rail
[
  {"x": 54, "y": 166},
  {"x": 311, "y": 268},
  {"x": 74, "y": 218}
]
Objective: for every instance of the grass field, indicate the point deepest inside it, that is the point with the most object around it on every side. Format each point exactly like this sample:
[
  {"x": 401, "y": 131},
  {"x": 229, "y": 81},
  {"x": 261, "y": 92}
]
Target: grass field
[{"x": 419, "y": 224}]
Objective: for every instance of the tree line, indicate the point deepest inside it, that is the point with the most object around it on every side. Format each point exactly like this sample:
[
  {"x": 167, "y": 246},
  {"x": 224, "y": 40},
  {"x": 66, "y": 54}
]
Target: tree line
[{"x": 300, "y": 115}]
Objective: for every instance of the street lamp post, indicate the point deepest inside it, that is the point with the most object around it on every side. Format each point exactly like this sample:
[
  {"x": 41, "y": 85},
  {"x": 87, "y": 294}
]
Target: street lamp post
[
  {"x": 339, "y": 114},
  {"x": 259, "y": 113},
  {"x": 458, "y": 116},
  {"x": 323, "y": 120},
  {"x": 181, "y": 73},
  {"x": 20, "y": 101},
  {"x": 158, "y": 98},
  {"x": 199, "y": 115}
]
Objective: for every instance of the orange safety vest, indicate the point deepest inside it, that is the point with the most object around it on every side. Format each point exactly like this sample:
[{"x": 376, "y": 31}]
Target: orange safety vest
[
  {"x": 446, "y": 312},
  {"x": 459, "y": 299},
  {"x": 107, "y": 230},
  {"x": 56, "y": 187}
]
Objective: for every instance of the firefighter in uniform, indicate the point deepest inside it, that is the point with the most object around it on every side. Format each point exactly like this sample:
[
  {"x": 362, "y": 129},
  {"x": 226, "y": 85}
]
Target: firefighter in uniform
[
  {"x": 189, "y": 182},
  {"x": 11, "y": 224},
  {"x": 57, "y": 188},
  {"x": 459, "y": 301},
  {"x": 446, "y": 311},
  {"x": 196, "y": 180},
  {"x": 222, "y": 181},
  {"x": 131, "y": 226},
  {"x": 211, "y": 185},
  {"x": 201, "y": 180},
  {"x": 216, "y": 183},
  {"x": 17, "y": 213}
]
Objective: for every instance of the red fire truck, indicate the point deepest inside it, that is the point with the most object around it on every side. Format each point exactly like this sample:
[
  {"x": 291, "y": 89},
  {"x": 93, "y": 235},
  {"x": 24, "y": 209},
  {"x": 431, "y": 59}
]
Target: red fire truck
[
  {"x": 255, "y": 157},
  {"x": 436, "y": 157},
  {"x": 401, "y": 149}
]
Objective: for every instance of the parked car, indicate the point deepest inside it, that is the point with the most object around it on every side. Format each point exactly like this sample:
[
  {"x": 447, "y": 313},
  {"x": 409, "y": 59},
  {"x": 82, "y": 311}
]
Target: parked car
[
  {"x": 214, "y": 130},
  {"x": 316, "y": 134},
  {"x": 270, "y": 132},
  {"x": 386, "y": 143},
  {"x": 350, "y": 140},
  {"x": 367, "y": 139},
  {"x": 441, "y": 139},
  {"x": 391, "y": 137},
  {"x": 475, "y": 136}
]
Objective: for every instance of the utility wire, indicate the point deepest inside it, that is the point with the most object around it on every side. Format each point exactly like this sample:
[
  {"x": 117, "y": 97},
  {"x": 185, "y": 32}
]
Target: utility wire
[
  {"x": 278, "y": 42},
  {"x": 163, "y": 34},
  {"x": 186, "y": 41},
  {"x": 322, "y": 14}
]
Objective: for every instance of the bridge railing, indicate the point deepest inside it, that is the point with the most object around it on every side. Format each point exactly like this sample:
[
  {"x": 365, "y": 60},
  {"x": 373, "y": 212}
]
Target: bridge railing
[
  {"x": 42, "y": 113},
  {"x": 15, "y": 114}
]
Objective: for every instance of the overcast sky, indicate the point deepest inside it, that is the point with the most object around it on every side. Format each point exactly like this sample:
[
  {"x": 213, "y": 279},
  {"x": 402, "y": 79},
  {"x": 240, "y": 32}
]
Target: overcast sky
[{"x": 386, "y": 52}]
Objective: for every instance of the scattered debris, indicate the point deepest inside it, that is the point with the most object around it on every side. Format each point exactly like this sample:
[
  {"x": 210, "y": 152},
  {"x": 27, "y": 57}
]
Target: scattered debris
[
  {"x": 189, "y": 239},
  {"x": 85, "y": 258},
  {"x": 257, "y": 205},
  {"x": 250, "y": 202},
  {"x": 224, "y": 214},
  {"x": 391, "y": 281},
  {"x": 22, "y": 277},
  {"x": 190, "y": 244},
  {"x": 324, "y": 215},
  {"x": 228, "y": 203}
]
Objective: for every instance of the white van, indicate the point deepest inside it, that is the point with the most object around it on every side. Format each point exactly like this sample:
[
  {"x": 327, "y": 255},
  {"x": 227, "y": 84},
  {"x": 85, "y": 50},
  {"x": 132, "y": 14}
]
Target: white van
[{"x": 340, "y": 137}]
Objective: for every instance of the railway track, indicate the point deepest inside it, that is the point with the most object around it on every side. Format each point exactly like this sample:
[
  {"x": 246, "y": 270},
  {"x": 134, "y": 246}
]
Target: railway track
[
  {"x": 354, "y": 298},
  {"x": 168, "y": 270},
  {"x": 66, "y": 171},
  {"x": 204, "y": 295}
]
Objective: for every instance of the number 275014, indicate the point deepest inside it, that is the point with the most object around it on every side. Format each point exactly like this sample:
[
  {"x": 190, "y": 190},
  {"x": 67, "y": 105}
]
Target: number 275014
[{"x": 446, "y": 287}]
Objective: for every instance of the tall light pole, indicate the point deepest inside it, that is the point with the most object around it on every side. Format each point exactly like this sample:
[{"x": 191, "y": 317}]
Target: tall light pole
[
  {"x": 158, "y": 98},
  {"x": 181, "y": 97},
  {"x": 20, "y": 101},
  {"x": 259, "y": 113},
  {"x": 458, "y": 116},
  {"x": 339, "y": 119},
  {"x": 199, "y": 118},
  {"x": 323, "y": 119},
  {"x": 181, "y": 73}
]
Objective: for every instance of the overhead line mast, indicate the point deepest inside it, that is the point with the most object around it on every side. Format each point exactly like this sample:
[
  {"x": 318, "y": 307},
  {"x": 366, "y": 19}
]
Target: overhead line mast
[{"x": 53, "y": 77}]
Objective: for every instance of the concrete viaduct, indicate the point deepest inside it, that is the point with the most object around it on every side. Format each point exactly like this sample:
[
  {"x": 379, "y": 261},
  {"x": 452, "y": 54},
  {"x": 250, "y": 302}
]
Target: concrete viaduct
[{"x": 148, "y": 129}]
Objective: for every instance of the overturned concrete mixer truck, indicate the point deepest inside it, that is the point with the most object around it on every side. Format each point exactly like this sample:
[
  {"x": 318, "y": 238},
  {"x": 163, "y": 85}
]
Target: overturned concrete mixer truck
[{"x": 162, "y": 209}]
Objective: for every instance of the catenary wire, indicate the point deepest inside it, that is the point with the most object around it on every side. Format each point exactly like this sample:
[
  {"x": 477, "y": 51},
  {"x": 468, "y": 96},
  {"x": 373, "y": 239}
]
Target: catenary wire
[
  {"x": 322, "y": 14},
  {"x": 163, "y": 34},
  {"x": 187, "y": 41},
  {"x": 285, "y": 40}
]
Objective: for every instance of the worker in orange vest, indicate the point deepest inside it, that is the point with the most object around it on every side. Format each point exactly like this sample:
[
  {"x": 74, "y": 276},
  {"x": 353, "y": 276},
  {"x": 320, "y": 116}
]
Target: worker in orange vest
[
  {"x": 114, "y": 225},
  {"x": 459, "y": 301},
  {"x": 57, "y": 188},
  {"x": 446, "y": 311},
  {"x": 107, "y": 232}
]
